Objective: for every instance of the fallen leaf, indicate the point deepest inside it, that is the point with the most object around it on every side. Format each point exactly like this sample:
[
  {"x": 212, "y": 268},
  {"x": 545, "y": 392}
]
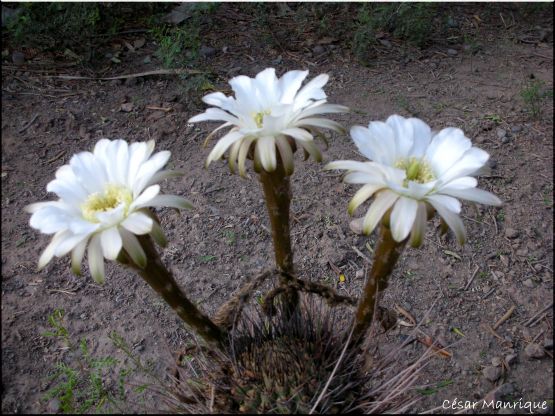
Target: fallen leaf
[
  {"x": 427, "y": 341},
  {"x": 342, "y": 278}
]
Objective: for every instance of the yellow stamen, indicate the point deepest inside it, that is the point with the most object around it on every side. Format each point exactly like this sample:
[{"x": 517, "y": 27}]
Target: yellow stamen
[
  {"x": 418, "y": 170},
  {"x": 259, "y": 117},
  {"x": 113, "y": 196}
]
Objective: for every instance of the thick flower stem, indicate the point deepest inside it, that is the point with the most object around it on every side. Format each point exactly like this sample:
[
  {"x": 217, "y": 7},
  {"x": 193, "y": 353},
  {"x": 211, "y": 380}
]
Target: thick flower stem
[
  {"x": 277, "y": 191},
  {"x": 386, "y": 254},
  {"x": 163, "y": 282}
]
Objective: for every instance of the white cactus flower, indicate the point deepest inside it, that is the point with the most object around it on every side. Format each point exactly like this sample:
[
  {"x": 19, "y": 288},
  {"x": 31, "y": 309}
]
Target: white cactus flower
[
  {"x": 409, "y": 168},
  {"x": 103, "y": 201},
  {"x": 266, "y": 112}
]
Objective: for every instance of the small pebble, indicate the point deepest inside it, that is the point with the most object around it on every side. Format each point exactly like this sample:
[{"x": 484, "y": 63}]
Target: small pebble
[
  {"x": 529, "y": 283},
  {"x": 451, "y": 52},
  {"x": 318, "y": 49},
  {"x": 385, "y": 43},
  {"x": 53, "y": 406},
  {"x": 516, "y": 129},
  {"x": 522, "y": 252},
  {"x": 501, "y": 133},
  {"x": 511, "y": 233},
  {"x": 359, "y": 274},
  {"x": 548, "y": 344},
  {"x": 496, "y": 361},
  {"x": 147, "y": 60},
  {"x": 510, "y": 359},
  {"x": 491, "y": 373},
  {"x": 534, "y": 351}
]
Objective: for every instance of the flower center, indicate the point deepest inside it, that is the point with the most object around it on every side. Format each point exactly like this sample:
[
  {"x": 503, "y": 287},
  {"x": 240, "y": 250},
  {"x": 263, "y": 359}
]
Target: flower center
[
  {"x": 259, "y": 117},
  {"x": 112, "y": 196},
  {"x": 418, "y": 170}
]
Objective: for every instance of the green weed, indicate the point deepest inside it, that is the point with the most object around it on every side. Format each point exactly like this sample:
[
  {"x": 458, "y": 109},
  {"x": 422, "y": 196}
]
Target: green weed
[
  {"x": 433, "y": 390},
  {"x": 230, "y": 237},
  {"x": 534, "y": 94},
  {"x": 411, "y": 22},
  {"x": 80, "y": 386}
]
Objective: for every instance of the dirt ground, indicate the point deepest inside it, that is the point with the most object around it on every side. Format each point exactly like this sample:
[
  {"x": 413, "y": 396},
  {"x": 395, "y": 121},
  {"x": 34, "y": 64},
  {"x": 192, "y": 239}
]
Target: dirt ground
[{"x": 225, "y": 239}]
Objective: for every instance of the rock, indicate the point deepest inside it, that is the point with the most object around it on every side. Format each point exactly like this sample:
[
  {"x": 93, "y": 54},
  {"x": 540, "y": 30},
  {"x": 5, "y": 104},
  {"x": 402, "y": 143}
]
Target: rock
[
  {"x": 225, "y": 49},
  {"x": 360, "y": 275},
  {"x": 516, "y": 129},
  {"x": 18, "y": 58},
  {"x": 452, "y": 52},
  {"x": 534, "y": 351},
  {"x": 318, "y": 49},
  {"x": 139, "y": 43},
  {"x": 499, "y": 392},
  {"x": 126, "y": 107},
  {"x": 492, "y": 163},
  {"x": 385, "y": 43},
  {"x": 511, "y": 233},
  {"x": 548, "y": 343},
  {"x": 529, "y": 283},
  {"x": 53, "y": 406},
  {"x": 496, "y": 361},
  {"x": 207, "y": 51},
  {"x": 511, "y": 359},
  {"x": 522, "y": 252},
  {"x": 147, "y": 60},
  {"x": 501, "y": 133},
  {"x": 491, "y": 373}
]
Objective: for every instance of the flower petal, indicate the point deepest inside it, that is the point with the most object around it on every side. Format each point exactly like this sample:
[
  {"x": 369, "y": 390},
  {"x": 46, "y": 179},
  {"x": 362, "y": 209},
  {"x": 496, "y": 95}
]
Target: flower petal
[
  {"x": 77, "y": 257},
  {"x": 96, "y": 260},
  {"x": 321, "y": 122},
  {"x": 243, "y": 152},
  {"x": 297, "y": 134},
  {"x": 473, "y": 194},
  {"x": 419, "y": 227},
  {"x": 145, "y": 197},
  {"x": 138, "y": 223},
  {"x": 384, "y": 200},
  {"x": 448, "y": 202},
  {"x": 222, "y": 145},
  {"x": 362, "y": 195},
  {"x": 450, "y": 218},
  {"x": 472, "y": 160},
  {"x": 48, "y": 252},
  {"x": 311, "y": 91},
  {"x": 133, "y": 247},
  {"x": 286, "y": 154},
  {"x": 404, "y": 134},
  {"x": 422, "y": 137},
  {"x": 214, "y": 114},
  {"x": 110, "y": 240},
  {"x": 446, "y": 148},
  {"x": 267, "y": 151},
  {"x": 402, "y": 218},
  {"x": 289, "y": 84},
  {"x": 171, "y": 201}
]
